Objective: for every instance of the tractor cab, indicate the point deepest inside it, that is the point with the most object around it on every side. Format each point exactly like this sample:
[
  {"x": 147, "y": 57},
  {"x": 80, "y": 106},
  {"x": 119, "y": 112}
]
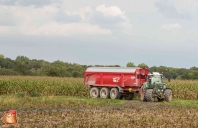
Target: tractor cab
[{"x": 154, "y": 78}]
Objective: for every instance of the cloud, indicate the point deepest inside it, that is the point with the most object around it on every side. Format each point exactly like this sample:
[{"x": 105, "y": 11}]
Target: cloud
[
  {"x": 36, "y": 3},
  {"x": 186, "y": 4},
  {"x": 7, "y": 18},
  {"x": 56, "y": 29},
  {"x": 58, "y": 21},
  {"x": 169, "y": 10},
  {"x": 110, "y": 11},
  {"x": 166, "y": 31},
  {"x": 112, "y": 18},
  {"x": 65, "y": 18},
  {"x": 105, "y": 21},
  {"x": 170, "y": 26},
  {"x": 7, "y": 31}
]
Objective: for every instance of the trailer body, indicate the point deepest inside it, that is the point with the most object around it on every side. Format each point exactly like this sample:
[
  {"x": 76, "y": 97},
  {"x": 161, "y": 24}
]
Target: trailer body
[{"x": 126, "y": 80}]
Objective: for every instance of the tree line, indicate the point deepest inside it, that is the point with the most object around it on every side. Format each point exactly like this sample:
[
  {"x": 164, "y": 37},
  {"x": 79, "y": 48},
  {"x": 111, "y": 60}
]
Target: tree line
[{"x": 22, "y": 65}]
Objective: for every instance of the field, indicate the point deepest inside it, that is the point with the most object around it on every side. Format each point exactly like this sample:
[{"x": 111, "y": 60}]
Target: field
[{"x": 49, "y": 102}]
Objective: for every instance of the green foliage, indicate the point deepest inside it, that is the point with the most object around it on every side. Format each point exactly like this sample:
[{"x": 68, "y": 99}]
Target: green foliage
[
  {"x": 143, "y": 65},
  {"x": 130, "y": 64},
  {"x": 1, "y": 56},
  {"x": 22, "y": 65},
  {"x": 4, "y": 71}
]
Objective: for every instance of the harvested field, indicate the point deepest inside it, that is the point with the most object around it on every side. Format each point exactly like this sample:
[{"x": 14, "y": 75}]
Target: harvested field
[{"x": 121, "y": 113}]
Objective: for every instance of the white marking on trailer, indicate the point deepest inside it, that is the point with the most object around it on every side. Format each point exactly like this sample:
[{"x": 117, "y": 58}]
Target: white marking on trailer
[
  {"x": 132, "y": 77},
  {"x": 116, "y": 79}
]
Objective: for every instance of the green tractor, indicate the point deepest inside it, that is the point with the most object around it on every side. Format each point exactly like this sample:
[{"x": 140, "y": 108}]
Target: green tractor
[{"x": 154, "y": 87}]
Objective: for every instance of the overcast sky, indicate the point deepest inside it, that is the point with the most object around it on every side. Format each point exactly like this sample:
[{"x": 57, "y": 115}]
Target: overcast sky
[{"x": 102, "y": 32}]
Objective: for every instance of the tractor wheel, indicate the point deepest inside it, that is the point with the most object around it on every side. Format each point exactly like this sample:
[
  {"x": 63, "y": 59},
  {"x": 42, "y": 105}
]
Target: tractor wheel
[
  {"x": 115, "y": 94},
  {"x": 168, "y": 95},
  {"x": 129, "y": 96},
  {"x": 104, "y": 93},
  {"x": 95, "y": 92},
  {"x": 142, "y": 94},
  {"x": 149, "y": 95}
]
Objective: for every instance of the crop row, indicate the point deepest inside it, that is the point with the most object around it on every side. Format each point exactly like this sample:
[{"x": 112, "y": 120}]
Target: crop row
[{"x": 56, "y": 86}]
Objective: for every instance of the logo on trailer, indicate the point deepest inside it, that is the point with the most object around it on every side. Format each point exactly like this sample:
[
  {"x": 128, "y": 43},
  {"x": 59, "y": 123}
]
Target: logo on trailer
[{"x": 116, "y": 79}]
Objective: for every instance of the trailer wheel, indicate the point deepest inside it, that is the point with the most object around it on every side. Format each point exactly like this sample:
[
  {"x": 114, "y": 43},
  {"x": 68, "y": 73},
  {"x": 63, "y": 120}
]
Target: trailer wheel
[
  {"x": 94, "y": 92},
  {"x": 104, "y": 93},
  {"x": 168, "y": 95},
  {"x": 129, "y": 96},
  {"x": 115, "y": 94},
  {"x": 149, "y": 95},
  {"x": 142, "y": 93},
  {"x": 121, "y": 97}
]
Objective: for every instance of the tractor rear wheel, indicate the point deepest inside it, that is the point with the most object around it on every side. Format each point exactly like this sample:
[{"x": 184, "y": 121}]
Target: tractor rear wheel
[
  {"x": 142, "y": 94},
  {"x": 129, "y": 96},
  {"x": 149, "y": 95},
  {"x": 115, "y": 94},
  {"x": 95, "y": 92},
  {"x": 168, "y": 95},
  {"x": 104, "y": 93}
]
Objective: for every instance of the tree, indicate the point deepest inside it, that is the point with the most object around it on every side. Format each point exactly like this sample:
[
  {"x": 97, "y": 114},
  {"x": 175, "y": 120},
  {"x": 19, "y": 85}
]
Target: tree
[
  {"x": 130, "y": 64},
  {"x": 143, "y": 65},
  {"x": 153, "y": 69},
  {"x": 1, "y": 56}
]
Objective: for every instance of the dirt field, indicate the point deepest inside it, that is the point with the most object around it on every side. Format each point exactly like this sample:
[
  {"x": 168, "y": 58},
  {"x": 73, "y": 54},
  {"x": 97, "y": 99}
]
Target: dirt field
[{"x": 133, "y": 113}]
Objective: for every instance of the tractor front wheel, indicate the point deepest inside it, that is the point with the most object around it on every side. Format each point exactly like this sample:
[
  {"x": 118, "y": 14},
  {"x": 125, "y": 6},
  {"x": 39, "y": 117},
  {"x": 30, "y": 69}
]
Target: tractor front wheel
[
  {"x": 142, "y": 94},
  {"x": 168, "y": 95},
  {"x": 149, "y": 95}
]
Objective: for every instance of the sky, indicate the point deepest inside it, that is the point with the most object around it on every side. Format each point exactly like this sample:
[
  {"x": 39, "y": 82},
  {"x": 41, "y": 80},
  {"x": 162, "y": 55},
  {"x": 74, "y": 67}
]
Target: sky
[{"x": 90, "y": 32}]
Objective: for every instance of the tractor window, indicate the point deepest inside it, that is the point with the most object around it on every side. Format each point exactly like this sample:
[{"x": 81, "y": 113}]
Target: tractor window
[{"x": 156, "y": 79}]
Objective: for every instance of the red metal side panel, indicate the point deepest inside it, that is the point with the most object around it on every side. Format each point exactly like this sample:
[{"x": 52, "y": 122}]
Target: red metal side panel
[
  {"x": 129, "y": 79},
  {"x": 111, "y": 79}
]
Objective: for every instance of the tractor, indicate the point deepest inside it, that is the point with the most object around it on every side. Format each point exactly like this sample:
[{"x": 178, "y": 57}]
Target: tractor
[{"x": 155, "y": 88}]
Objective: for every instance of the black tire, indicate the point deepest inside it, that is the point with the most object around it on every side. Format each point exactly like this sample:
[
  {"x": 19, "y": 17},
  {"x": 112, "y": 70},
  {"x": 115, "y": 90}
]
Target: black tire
[
  {"x": 142, "y": 94},
  {"x": 105, "y": 93},
  {"x": 121, "y": 97},
  {"x": 95, "y": 92},
  {"x": 115, "y": 94},
  {"x": 168, "y": 95},
  {"x": 129, "y": 96},
  {"x": 149, "y": 95}
]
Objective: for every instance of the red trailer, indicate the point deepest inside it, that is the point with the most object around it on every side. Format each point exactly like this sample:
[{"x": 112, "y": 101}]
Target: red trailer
[{"x": 114, "y": 82}]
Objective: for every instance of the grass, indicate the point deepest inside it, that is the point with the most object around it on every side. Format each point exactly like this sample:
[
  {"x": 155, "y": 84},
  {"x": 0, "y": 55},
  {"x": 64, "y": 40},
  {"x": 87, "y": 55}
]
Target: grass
[
  {"x": 183, "y": 103},
  {"x": 28, "y": 102}
]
